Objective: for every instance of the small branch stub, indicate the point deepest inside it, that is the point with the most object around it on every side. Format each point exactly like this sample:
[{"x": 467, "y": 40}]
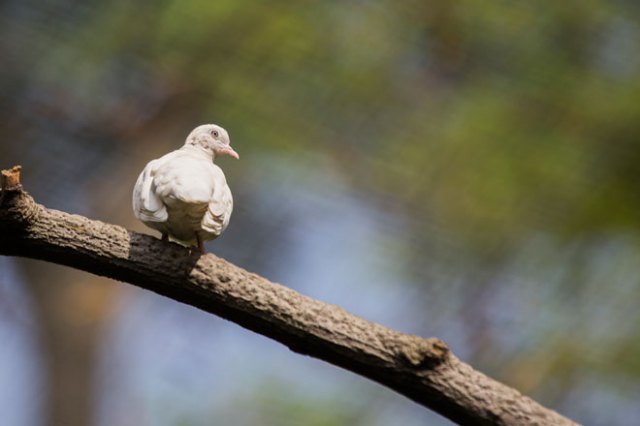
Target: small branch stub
[
  {"x": 17, "y": 208},
  {"x": 423, "y": 353},
  {"x": 11, "y": 178}
]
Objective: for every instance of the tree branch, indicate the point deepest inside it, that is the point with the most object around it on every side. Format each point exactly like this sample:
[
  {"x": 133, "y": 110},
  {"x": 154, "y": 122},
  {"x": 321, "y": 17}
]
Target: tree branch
[{"x": 423, "y": 370}]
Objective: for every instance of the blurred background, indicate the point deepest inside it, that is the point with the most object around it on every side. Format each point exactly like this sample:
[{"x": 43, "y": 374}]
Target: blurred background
[{"x": 467, "y": 170}]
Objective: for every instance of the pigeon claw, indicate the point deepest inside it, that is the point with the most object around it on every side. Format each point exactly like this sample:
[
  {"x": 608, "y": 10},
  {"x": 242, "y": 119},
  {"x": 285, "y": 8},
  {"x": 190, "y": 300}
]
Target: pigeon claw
[{"x": 200, "y": 243}]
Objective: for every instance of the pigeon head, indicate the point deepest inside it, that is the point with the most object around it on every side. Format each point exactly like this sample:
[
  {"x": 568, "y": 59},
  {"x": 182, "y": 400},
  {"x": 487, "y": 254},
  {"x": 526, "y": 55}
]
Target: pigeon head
[{"x": 212, "y": 138}]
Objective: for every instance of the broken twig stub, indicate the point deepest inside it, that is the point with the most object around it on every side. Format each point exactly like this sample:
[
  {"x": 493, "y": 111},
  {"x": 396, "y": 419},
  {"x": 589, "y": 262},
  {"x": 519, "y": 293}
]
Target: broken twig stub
[{"x": 11, "y": 178}]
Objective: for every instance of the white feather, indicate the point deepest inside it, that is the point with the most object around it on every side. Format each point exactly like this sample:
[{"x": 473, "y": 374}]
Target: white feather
[{"x": 182, "y": 193}]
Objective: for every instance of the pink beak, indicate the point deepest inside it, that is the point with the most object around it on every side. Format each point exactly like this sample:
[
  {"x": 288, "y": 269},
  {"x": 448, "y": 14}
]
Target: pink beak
[{"x": 230, "y": 152}]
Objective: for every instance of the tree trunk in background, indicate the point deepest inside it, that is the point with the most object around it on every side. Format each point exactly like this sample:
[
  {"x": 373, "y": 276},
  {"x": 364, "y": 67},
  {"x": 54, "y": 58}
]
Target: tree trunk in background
[{"x": 72, "y": 309}]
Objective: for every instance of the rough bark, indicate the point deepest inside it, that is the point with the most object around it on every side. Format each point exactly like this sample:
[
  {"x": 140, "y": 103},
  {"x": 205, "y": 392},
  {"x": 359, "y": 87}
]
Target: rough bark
[{"x": 423, "y": 370}]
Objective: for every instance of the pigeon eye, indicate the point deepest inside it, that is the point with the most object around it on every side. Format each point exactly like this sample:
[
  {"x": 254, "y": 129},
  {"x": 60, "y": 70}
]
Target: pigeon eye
[{"x": 215, "y": 133}]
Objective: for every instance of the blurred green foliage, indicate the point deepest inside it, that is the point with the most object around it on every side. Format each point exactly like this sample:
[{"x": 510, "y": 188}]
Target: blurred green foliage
[
  {"x": 486, "y": 126},
  {"x": 493, "y": 119}
]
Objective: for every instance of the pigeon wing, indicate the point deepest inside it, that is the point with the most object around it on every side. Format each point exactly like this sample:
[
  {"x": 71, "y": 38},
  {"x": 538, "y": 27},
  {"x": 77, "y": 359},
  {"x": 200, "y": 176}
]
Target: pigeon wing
[
  {"x": 147, "y": 205},
  {"x": 216, "y": 219}
]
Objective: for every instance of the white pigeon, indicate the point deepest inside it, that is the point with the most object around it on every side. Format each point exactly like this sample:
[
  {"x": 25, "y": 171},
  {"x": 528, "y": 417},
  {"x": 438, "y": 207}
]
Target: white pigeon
[{"x": 183, "y": 194}]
